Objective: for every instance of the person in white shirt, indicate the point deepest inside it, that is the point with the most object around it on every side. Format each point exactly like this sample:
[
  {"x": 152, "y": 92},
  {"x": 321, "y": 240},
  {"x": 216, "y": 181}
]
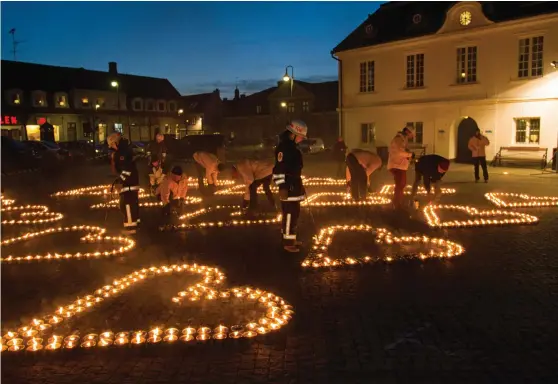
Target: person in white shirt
[
  {"x": 398, "y": 163},
  {"x": 255, "y": 173},
  {"x": 172, "y": 189},
  {"x": 208, "y": 164},
  {"x": 360, "y": 165},
  {"x": 477, "y": 145}
]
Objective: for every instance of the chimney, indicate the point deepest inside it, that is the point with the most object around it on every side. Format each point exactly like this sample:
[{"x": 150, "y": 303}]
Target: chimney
[{"x": 112, "y": 68}]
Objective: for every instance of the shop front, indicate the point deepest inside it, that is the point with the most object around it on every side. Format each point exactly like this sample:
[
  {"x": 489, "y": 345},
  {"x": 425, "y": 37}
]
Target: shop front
[
  {"x": 12, "y": 127},
  {"x": 34, "y": 130}
]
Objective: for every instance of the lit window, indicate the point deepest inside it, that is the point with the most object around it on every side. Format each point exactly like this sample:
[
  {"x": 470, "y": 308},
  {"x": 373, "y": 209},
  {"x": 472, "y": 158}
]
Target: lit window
[
  {"x": 118, "y": 127},
  {"x": 466, "y": 65},
  {"x": 415, "y": 71},
  {"x": 417, "y": 126},
  {"x": 61, "y": 101},
  {"x": 367, "y": 76},
  {"x": 39, "y": 100},
  {"x": 291, "y": 107},
  {"x": 16, "y": 98},
  {"x": 100, "y": 102},
  {"x": 527, "y": 130},
  {"x": 258, "y": 109},
  {"x": 85, "y": 102},
  {"x": 305, "y": 106},
  {"x": 534, "y": 62},
  {"x": 367, "y": 133}
]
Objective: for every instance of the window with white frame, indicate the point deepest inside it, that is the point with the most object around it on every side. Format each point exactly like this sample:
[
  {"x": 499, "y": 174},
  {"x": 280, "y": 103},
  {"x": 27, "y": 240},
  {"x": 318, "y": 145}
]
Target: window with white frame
[
  {"x": 466, "y": 65},
  {"x": 61, "y": 100},
  {"x": 527, "y": 130},
  {"x": 417, "y": 127},
  {"x": 258, "y": 109},
  {"x": 367, "y": 133},
  {"x": 291, "y": 107},
  {"x": 305, "y": 106},
  {"x": 367, "y": 76},
  {"x": 530, "y": 59},
  {"x": 172, "y": 106},
  {"x": 415, "y": 71},
  {"x": 39, "y": 99}
]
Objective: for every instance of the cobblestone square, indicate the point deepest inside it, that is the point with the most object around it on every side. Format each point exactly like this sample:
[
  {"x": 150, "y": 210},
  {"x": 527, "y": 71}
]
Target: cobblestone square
[{"x": 488, "y": 315}]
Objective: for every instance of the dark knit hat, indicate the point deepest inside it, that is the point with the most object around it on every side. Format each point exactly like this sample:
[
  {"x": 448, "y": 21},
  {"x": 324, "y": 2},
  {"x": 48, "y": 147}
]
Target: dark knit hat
[
  {"x": 444, "y": 164},
  {"x": 177, "y": 170}
]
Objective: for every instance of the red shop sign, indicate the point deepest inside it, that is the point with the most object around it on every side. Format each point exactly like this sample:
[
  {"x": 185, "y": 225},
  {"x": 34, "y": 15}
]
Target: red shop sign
[
  {"x": 41, "y": 120},
  {"x": 9, "y": 120}
]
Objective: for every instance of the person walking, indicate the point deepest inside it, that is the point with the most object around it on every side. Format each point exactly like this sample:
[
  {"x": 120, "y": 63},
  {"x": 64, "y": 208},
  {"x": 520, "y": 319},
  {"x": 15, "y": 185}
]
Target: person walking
[
  {"x": 287, "y": 174},
  {"x": 430, "y": 169},
  {"x": 398, "y": 163},
  {"x": 339, "y": 153},
  {"x": 255, "y": 173},
  {"x": 208, "y": 165},
  {"x": 126, "y": 168},
  {"x": 360, "y": 165},
  {"x": 477, "y": 145}
]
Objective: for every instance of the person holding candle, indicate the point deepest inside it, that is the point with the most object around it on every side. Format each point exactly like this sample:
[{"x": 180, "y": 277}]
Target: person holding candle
[
  {"x": 255, "y": 173},
  {"x": 430, "y": 169},
  {"x": 360, "y": 165},
  {"x": 209, "y": 164},
  {"x": 287, "y": 174},
  {"x": 398, "y": 163},
  {"x": 125, "y": 166},
  {"x": 172, "y": 189}
]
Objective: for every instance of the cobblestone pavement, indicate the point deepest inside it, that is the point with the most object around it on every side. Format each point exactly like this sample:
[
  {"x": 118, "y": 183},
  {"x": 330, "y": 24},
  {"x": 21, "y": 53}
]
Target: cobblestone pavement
[{"x": 487, "y": 316}]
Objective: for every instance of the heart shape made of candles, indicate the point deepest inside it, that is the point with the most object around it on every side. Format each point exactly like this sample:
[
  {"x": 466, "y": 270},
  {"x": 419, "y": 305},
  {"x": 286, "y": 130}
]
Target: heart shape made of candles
[
  {"x": 319, "y": 258},
  {"x": 93, "y": 235},
  {"x": 344, "y": 200},
  {"x": 480, "y": 218},
  {"x": 521, "y": 200},
  {"x": 33, "y": 336},
  {"x": 29, "y": 214},
  {"x": 217, "y": 224},
  {"x": 388, "y": 189}
]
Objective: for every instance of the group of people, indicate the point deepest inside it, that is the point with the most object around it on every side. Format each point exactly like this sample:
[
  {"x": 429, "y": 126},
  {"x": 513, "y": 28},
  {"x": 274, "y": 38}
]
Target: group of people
[{"x": 285, "y": 171}]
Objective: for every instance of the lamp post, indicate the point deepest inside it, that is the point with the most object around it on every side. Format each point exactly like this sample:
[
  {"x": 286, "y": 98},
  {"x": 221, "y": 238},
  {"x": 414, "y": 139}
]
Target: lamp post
[
  {"x": 115, "y": 84},
  {"x": 177, "y": 133},
  {"x": 290, "y": 78}
]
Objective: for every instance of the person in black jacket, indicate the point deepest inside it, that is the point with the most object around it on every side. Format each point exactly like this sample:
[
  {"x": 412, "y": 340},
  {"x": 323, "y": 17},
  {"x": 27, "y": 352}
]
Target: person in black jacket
[
  {"x": 127, "y": 171},
  {"x": 287, "y": 174},
  {"x": 431, "y": 169},
  {"x": 158, "y": 149}
]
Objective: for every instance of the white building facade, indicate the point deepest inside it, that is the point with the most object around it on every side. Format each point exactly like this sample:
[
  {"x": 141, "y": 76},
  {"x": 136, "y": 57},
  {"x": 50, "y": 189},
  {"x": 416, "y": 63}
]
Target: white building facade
[{"x": 460, "y": 71}]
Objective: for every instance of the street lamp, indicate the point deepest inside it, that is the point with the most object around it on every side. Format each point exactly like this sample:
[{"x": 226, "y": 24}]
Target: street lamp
[
  {"x": 115, "y": 84},
  {"x": 180, "y": 112},
  {"x": 283, "y": 104},
  {"x": 290, "y": 78}
]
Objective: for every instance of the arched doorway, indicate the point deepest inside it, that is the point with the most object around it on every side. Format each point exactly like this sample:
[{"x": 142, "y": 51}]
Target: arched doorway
[{"x": 466, "y": 129}]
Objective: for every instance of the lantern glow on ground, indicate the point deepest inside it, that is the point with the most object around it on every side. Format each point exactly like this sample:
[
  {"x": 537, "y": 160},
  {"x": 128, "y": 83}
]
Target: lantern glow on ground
[
  {"x": 521, "y": 200},
  {"x": 41, "y": 333},
  {"x": 319, "y": 257},
  {"x": 478, "y": 218}
]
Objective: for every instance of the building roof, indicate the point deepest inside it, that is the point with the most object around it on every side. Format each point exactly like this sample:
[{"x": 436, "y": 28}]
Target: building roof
[
  {"x": 393, "y": 21},
  {"x": 197, "y": 103},
  {"x": 49, "y": 78},
  {"x": 325, "y": 99}
]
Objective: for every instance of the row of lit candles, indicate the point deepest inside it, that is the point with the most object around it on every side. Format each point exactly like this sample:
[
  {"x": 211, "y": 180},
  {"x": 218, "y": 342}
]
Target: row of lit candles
[
  {"x": 94, "y": 234},
  {"x": 30, "y": 214},
  {"x": 345, "y": 202},
  {"x": 277, "y": 314},
  {"x": 144, "y": 204},
  {"x": 502, "y": 200},
  {"x": 318, "y": 257},
  {"x": 480, "y": 218},
  {"x": 389, "y": 189}
]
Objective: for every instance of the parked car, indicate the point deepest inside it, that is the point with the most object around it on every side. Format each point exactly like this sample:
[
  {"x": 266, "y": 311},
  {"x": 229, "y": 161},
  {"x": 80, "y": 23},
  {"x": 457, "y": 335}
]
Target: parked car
[
  {"x": 138, "y": 148},
  {"x": 315, "y": 145},
  {"x": 16, "y": 155},
  {"x": 43, "y": 151}
]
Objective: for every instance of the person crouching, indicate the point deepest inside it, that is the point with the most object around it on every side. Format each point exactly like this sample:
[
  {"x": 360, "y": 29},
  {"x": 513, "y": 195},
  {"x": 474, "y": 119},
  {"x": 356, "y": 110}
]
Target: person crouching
[
  {"x": 208, "y": 164},
  {"x": 172, "y": 190},
  {"x": 360, "y": 165},
  {"x": 255, "y": 173},
  {"x": 430, "y": 169}
]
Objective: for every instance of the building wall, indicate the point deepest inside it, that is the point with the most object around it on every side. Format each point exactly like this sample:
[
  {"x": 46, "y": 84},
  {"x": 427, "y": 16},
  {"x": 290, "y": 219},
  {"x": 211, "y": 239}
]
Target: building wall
[{"x": 493, "y": 102}]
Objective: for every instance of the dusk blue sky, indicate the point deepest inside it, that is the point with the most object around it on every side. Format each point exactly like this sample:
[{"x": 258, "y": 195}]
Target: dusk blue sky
[{"x": 198, "y": 46}]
